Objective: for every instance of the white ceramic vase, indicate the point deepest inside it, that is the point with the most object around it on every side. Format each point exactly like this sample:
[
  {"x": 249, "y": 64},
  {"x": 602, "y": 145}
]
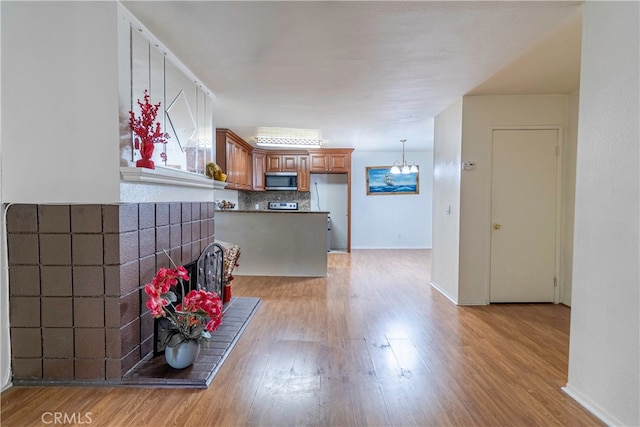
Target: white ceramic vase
[{"x": 183, "y": 354}]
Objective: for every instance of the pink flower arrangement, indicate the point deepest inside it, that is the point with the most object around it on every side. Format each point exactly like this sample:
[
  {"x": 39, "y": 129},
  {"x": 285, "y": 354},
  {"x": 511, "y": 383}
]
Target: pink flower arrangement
[
  {"x": 199, "y": 313},
  {"x": 147, "y": 131}
]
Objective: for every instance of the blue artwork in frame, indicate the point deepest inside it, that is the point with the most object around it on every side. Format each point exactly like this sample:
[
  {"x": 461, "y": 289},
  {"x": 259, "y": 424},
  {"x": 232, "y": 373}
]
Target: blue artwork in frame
[{"x": 381, "y": 181}]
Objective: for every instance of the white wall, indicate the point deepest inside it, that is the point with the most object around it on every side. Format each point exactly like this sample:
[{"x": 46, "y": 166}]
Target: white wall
[
  {"x": 568, "y": 199},
  {"x": 60, "y": 123},
  {"x": 378, "y": 220},
  {"x": 446, "y": 200},
  {"x": 5, "y": 341},
  {"x": 604, "y": 352},
  {"x": 329, "y": 192},
  {"x": 480, "y": 114}
]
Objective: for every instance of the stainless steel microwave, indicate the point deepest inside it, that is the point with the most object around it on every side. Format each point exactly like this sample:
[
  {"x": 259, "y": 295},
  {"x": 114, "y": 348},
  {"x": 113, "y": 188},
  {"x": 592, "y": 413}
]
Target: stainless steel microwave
[{"x": 281, "y": 181}]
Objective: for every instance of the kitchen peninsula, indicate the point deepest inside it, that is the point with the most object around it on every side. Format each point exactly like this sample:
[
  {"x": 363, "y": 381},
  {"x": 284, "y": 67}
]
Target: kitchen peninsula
[{"x": 276, "y": 243}]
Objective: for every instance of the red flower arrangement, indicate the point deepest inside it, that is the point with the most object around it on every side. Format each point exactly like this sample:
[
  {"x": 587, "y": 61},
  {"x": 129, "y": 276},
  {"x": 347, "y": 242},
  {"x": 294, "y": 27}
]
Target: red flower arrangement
[
  {"x": 199, "y": 313},
  {"x": 147, "y": 132}
]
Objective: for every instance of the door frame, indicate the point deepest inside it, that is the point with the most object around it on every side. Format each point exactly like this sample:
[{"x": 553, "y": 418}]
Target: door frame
[{"x": 559, "y": 212}]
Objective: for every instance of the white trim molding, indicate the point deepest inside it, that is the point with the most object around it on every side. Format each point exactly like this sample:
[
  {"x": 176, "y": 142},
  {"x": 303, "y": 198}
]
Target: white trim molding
[
  {"x": 169, "y": 176},
  {"x": 141, "y": 185},
  {"x": 435, "y": 286},
  {"x": 592, "y": 407}
]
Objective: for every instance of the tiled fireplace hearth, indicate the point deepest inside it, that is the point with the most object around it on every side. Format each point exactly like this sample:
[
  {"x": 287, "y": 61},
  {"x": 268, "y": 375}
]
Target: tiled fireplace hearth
[{"x": 76, "y": 278}]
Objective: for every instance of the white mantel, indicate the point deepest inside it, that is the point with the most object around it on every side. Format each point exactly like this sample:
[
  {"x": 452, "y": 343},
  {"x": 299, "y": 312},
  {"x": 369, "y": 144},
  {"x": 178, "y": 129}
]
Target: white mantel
[{"x": 165, "y": 185}]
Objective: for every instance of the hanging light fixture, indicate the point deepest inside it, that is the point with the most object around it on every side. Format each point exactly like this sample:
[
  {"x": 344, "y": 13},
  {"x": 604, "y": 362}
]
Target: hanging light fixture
[{"x": 405, "y": 167}]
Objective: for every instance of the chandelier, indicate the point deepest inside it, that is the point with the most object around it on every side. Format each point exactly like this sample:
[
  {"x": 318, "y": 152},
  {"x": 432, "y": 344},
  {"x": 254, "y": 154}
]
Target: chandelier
[{"x": 404, "y": 167}]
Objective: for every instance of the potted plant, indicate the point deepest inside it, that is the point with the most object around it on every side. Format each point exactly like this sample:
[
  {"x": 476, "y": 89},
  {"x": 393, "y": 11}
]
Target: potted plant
[
  {"x": 190, "y": 321},
  {"x": 147, "y": 132}
]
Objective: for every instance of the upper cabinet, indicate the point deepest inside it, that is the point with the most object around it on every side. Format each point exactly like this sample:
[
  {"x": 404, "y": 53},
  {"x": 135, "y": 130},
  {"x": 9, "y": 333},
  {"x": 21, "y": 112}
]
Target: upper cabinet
[
  {"x": 246, "y": 166},
  {"x": 259, "y": 165},
  {"x": 290, "y": 161},
  {"x": 234, "y": 156},
  {"x": 282, "y": 162},
  {"x": 330, "y": 160},
  {"x": 304, "y": 180}
]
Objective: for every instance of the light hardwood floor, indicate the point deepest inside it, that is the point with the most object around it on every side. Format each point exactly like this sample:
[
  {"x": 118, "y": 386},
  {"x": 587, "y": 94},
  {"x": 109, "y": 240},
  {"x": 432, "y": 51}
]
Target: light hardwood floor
[{"x": 371, "y": 345}]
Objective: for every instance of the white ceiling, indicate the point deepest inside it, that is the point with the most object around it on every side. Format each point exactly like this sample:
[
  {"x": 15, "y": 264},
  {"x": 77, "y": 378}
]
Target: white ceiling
[{"x": 366, "y": 74}]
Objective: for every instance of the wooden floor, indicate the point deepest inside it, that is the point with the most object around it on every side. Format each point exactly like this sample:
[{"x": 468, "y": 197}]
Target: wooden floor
[{"x": 371, "y": 345}]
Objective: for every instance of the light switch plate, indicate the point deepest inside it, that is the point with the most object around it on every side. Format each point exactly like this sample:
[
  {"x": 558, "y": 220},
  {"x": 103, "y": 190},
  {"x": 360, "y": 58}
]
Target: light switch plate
[{"x": 468, "y": 166}]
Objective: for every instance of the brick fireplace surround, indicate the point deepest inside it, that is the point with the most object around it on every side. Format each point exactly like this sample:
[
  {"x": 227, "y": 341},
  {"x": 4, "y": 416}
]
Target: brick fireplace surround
[{"x": 76, "y": 278}]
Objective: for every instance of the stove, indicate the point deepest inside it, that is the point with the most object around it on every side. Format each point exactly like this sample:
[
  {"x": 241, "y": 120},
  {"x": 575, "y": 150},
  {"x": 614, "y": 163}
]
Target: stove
[{"x": 283, "y": 206}]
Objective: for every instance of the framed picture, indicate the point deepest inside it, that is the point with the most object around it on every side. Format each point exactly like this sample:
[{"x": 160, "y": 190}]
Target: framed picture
[{"x": 381, "y": 181}]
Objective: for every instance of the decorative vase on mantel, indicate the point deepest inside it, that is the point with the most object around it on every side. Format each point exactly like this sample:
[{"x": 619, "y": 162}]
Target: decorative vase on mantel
[
  {"x": 183, "y": 354},
  {"x": 146, "y": 151}
]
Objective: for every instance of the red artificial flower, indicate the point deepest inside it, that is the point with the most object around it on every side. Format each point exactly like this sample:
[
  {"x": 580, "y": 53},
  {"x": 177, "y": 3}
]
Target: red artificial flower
[
  {"x": 156, "y": 307},
  {"x": 213, "y": 324},
  {"x": 199, "y": 310},
  {"x": 152, "y": 291},
  {"x": 182, "y": 273}
]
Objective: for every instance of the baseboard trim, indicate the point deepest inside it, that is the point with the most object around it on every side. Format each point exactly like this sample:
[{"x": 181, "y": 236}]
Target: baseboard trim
[
  {"x": 472, "y": 303},
  {"x": 435, "y": 286},
  {"x": 592, "y": 407}
]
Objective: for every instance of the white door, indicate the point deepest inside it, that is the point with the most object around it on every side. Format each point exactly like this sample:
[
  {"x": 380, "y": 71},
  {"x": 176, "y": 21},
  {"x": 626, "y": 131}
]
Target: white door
[{"x": 523, "y": 211}]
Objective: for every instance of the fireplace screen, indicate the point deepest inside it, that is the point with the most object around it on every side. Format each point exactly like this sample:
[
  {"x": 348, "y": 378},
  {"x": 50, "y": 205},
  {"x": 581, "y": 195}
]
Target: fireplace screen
[{"x": 210, "y": 268}]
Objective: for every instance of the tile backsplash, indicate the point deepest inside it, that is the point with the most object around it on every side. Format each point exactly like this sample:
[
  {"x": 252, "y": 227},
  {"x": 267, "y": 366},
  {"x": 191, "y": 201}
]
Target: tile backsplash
[{"x": 248, "y": 199}]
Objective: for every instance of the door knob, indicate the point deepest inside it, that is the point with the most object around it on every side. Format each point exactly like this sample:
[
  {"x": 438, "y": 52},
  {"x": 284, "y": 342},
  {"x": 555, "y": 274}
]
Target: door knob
[{"x": 497, "y": 226}]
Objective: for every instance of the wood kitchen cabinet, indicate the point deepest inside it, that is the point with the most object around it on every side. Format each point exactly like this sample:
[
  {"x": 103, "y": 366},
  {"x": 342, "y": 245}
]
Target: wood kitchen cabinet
[
  {"x": 304, "y": 180},
  {"x": 282, "y": 162},
  {"x": 259, "y": 167},
  {"x": 234, "y": 156},
  {"x": 330, "y": 160},
  {"x": 290, "y": 161}
]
